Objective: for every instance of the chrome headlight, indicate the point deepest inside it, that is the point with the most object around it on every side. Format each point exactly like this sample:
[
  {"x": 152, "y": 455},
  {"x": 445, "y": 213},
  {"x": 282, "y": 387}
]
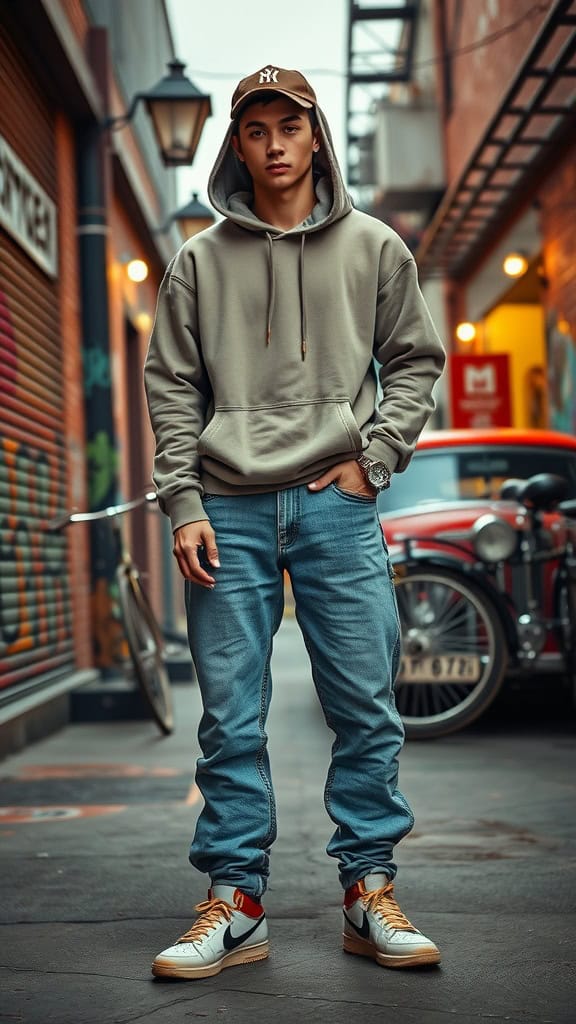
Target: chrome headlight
[{"x": 494, "y": 539}]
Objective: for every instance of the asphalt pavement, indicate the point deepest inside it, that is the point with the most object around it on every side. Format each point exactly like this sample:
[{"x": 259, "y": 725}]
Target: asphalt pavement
[{"x": 95, "y": 825}]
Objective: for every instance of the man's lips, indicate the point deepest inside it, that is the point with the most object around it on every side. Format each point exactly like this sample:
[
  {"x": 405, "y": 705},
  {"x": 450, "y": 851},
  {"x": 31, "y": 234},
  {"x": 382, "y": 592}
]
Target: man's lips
[{"x": 276, "y": 168}]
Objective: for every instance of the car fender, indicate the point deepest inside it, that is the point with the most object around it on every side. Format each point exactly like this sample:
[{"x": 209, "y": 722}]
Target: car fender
[{"x": 469, "y": 571}]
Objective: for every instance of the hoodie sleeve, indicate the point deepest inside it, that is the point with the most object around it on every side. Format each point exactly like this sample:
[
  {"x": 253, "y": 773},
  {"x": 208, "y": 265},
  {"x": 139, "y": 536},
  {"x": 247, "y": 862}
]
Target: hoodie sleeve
[
  {"x": 411, "y": 358},
  {"x": 178, "y": 392}
]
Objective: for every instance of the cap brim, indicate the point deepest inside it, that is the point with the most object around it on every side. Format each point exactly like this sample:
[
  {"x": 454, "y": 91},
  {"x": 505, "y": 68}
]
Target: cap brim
[{"x": 263, "y": 92}]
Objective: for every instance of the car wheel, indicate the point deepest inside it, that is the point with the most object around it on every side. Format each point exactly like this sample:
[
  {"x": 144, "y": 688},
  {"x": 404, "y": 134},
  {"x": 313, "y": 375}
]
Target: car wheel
[{"x": 454, "y": 651}]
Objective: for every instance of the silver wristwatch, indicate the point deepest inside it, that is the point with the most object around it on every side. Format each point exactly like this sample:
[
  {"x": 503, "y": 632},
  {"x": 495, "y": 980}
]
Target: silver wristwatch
[{"x": 377, "y": 473}]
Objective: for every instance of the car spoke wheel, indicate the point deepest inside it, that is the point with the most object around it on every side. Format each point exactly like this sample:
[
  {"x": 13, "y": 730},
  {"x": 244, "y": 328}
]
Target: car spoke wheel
[{"x": 454, "y": 652}]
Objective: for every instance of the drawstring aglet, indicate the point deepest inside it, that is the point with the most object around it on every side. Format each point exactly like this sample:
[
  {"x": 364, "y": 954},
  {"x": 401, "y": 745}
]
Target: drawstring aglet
[
  {"x": 268, "y": 335},
  {"x": 303, "y": 349}
]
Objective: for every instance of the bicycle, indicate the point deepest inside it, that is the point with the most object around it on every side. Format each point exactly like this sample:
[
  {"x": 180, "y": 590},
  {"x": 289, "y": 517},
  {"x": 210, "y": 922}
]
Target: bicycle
[
  {"x": 499, "y": 600},
  {"x": 143, "y": 634}
]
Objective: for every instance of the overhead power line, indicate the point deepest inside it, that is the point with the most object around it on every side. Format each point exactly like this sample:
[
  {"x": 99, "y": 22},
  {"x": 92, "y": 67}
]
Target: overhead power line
[{"x": 532, "y": 12}]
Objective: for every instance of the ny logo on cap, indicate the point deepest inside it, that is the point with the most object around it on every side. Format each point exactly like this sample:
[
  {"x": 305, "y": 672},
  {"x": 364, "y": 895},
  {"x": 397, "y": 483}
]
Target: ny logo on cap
[{"x": 269, "y": 75}]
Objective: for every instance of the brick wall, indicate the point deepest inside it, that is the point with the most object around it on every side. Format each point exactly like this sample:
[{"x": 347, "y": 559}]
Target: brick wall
[
  {"x": 557, "y": 202},
  {"x": 480, "y": 76}
]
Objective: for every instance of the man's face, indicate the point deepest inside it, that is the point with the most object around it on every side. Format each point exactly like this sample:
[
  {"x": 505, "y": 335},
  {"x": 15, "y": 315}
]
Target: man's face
[{"x": 276, "y": 142}]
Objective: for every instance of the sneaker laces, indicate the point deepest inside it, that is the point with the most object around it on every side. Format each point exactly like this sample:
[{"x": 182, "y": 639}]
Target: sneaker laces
[
  {"x": 382, "y": 902},
  {"x": 211, "y": 913}
]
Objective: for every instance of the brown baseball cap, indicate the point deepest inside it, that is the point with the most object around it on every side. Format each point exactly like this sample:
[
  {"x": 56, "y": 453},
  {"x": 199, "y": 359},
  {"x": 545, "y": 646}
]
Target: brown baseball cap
[{"x": 273, "y": 79}]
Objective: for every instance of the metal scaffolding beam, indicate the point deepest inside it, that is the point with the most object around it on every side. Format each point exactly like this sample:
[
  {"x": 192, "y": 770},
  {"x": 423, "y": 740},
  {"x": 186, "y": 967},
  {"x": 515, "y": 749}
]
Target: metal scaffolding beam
[
  {"x": 456, "y": 236},
  {"x": 389, "y": 32}
]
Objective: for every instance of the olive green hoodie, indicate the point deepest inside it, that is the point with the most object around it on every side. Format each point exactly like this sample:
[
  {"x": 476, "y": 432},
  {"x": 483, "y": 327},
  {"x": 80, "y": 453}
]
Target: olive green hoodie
[{"x": 260, "y": 373}]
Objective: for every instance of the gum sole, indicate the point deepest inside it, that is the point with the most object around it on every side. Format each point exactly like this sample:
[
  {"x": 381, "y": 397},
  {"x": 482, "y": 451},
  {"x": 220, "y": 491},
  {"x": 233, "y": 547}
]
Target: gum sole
[
  {"x": 359, "y": 947},
  {"x": 239, "y": 956}
]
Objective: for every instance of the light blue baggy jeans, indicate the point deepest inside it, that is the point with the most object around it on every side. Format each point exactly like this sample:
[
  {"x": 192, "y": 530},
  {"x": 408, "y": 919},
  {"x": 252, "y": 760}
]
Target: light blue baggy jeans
[{"x": 332, "y": 546}]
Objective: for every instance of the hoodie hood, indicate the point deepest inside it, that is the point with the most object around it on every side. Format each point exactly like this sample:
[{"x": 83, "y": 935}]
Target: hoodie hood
[
  {"x": 230, "y": 192},
  {"x": 230, "y": 187}
]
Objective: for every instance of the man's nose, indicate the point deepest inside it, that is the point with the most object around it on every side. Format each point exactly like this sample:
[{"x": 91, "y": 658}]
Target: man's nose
[{"x": 275, "y": 144}]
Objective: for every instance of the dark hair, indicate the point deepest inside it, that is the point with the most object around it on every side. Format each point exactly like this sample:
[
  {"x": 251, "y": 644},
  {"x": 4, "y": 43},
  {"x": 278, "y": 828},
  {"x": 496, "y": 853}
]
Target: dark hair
[{"x": 269, "y": 96}]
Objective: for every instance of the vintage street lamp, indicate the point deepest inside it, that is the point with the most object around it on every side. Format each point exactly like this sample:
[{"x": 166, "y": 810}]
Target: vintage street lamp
[
  {"x": 193, "y": 217},
  {"x": 178, "y": 111}
]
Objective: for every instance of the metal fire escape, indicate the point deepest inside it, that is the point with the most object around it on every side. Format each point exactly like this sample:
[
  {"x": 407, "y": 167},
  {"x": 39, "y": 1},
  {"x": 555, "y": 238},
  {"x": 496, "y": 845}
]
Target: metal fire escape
[
  {"x": 380, "y": 53},
  {"x": 536, "y": 117}
]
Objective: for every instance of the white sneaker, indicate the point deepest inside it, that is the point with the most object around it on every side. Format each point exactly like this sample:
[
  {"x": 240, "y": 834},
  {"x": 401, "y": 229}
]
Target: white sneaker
[
  {"x": 375, "y": 926},
  {"x": 231, "y": 929}
]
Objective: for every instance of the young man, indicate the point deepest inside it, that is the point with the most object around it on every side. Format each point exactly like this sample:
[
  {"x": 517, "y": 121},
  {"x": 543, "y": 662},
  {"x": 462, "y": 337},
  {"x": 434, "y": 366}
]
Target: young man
[{"x": 262, "y": 392}]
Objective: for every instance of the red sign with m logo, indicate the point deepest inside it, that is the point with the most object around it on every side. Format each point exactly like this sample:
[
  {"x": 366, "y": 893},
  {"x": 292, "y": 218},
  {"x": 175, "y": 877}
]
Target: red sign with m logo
[{"x": 480, "y": 391}]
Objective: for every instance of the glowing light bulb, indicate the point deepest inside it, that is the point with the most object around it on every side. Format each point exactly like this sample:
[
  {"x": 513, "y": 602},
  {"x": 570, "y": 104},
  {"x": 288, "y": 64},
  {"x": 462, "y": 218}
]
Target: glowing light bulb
[
  {"x": 515, "y": 264},
  {"x": 137, "y": 270},
  {"x": 466, "y": 331}
]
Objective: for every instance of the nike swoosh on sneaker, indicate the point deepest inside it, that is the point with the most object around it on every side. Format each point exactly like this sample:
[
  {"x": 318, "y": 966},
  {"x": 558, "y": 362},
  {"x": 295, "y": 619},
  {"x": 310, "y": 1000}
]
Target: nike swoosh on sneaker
[
  {"x": 364, "y": 931},
  {"x": 231, "y": 941}
]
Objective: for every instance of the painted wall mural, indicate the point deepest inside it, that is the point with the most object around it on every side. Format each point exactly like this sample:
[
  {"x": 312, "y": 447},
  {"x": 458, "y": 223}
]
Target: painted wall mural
[
  {"x": 35, "y": 607},
  {"x": 34, "y": 598},
  {"x": 561, "y": 373}
]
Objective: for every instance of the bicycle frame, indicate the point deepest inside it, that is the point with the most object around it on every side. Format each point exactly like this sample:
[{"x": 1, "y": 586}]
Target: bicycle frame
[{"x": 142, "y": 632}]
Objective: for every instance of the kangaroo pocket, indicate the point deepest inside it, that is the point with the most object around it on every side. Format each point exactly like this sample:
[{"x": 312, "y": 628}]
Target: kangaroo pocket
[{"x": 279, "y": 443}]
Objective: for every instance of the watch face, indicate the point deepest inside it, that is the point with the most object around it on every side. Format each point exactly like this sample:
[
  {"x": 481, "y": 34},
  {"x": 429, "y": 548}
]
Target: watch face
[{"x": 378, "y": 476}]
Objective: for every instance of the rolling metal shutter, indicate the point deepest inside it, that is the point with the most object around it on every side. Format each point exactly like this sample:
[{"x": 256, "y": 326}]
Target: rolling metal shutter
[{"x": 36, "y": 641}]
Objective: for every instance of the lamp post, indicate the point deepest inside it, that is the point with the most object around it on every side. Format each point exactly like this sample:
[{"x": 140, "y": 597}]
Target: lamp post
[{"x": 178, "y": 111}]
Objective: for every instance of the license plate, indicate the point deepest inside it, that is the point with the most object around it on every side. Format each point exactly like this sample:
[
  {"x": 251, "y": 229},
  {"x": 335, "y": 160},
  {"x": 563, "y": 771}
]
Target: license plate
[{"x": 440, "y": 668}]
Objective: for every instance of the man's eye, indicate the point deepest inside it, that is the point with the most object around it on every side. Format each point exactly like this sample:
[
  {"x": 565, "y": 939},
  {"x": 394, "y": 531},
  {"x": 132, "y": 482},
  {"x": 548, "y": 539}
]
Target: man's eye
[{"x": 291, "y": 128}]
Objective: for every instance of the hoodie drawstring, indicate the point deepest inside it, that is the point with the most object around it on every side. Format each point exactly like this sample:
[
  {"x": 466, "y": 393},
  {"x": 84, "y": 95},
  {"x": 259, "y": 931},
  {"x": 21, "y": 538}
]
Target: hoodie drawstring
[
  {"x": 271, "y": 287},
  {"x": 272, "y": 293},
  {"x": 303, "y": 323}
]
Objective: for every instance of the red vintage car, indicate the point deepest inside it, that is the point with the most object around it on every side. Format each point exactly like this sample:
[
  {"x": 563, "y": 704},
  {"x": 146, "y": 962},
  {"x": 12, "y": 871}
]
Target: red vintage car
[{"x": 481, "y": 530}]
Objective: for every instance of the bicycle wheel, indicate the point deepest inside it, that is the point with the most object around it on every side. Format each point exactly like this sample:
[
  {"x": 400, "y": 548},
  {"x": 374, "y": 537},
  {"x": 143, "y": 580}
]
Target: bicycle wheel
[
  {"x": 146, "y": 646},
  {"x": 454, "y": 652}
]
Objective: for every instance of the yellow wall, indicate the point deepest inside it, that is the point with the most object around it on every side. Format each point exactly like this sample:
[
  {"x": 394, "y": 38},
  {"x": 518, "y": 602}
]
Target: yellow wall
[{"x": 518, "y": 330}]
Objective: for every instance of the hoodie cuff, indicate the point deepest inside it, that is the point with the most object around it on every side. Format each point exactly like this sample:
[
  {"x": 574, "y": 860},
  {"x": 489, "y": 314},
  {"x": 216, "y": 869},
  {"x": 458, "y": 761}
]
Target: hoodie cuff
[
  {"x": 185, "y": 507},
  {"x": 381, "y": 452}
]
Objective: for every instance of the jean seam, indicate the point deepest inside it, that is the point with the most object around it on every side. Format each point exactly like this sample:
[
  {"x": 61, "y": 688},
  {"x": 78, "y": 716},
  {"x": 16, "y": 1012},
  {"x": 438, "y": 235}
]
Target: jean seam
[
  {"x": 390, "y": 573},
  {"x": 268, "y": 838},
  {"x": 396, "y": 655},
  {"x": 408, "y": 810},
  {"x": 329, "y": 722}
]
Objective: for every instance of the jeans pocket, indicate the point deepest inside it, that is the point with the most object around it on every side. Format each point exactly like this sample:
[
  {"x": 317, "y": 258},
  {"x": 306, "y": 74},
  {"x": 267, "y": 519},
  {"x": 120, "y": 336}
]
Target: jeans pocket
[{"x": 363, "y": 499}]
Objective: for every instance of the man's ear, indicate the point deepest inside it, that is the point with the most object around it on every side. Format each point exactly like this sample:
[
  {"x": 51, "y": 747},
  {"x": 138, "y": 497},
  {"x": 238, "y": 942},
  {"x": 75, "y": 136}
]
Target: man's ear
[
  {"x": 316, "y": 142},
  {"x": 237, "y": 147}
]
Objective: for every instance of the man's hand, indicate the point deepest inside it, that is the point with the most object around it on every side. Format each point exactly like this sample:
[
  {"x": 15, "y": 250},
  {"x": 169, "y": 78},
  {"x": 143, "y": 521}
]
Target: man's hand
[
  {"x": 348, "y": 476},
  {"x": 187, "y": 540}
]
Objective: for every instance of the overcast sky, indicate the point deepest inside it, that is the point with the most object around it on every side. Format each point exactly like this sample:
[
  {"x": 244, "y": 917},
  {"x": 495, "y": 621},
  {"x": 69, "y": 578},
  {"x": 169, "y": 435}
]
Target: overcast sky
[{"x": 221, "y": 41}]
